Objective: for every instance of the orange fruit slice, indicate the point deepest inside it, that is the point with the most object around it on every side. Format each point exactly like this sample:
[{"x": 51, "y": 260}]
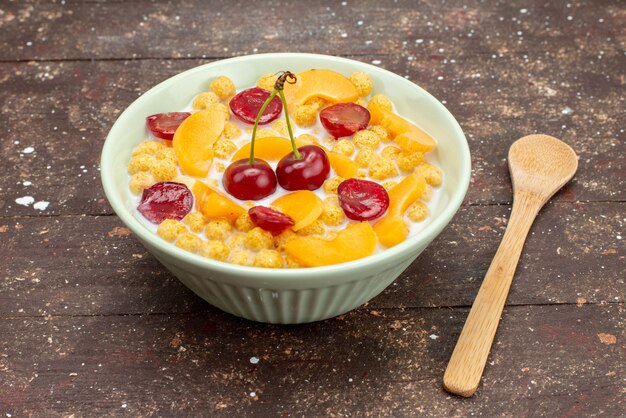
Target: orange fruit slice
[
  {"x": 214, "y": 205},
  {"x": 408, "y": 136},
  {"x": 354, "y": 242},
  {"x": 326, "y": 84},
  {"x": 269, "y": 148},
  {"x": 193, "y": 141},
  {"x": 391, "y": 229},
  {"x": 303, "y": 206}
]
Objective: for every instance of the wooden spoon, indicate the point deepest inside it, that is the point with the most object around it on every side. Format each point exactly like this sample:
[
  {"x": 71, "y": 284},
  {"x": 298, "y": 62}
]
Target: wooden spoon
[{"x": 540, "y": 165}]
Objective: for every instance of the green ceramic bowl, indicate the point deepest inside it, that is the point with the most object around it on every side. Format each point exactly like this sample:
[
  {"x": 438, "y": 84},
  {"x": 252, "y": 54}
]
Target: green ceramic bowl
[{"x": 287, "y": 295}]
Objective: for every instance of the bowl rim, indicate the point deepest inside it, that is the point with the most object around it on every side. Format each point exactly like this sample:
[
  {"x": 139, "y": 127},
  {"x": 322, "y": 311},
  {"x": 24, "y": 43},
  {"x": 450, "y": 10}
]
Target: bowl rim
[{"x": 279, "y": 276}]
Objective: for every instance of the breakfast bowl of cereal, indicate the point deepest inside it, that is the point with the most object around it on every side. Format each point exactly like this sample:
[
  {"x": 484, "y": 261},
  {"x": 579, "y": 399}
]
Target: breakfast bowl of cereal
[{"x": 286, "y": 187}]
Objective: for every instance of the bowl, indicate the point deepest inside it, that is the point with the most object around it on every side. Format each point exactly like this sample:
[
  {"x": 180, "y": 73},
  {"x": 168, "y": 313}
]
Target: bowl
[{"x": 287, "y": 295}]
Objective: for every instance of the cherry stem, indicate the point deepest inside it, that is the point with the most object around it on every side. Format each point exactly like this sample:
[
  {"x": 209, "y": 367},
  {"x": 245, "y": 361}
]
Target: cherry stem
[
  {"x": 256, "y": 124},
  {"x": 296, "y": 153}
]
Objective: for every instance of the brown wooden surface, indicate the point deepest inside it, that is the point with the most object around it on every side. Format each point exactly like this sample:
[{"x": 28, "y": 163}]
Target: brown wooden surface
[{"x": 92, "y": 325}]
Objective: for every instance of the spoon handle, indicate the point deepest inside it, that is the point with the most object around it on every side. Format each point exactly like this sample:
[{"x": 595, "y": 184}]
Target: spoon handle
[{"x": 468, "y": 360}]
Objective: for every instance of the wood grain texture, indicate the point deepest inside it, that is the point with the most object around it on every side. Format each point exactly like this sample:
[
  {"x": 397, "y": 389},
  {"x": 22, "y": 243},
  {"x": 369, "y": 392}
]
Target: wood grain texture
[
  {"x": 92, "y": 325},
  {"x": 549, "y": 361}
]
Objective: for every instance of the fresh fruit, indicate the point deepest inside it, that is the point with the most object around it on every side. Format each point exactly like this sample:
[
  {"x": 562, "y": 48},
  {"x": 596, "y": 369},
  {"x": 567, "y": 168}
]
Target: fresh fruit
[
  {"x": 391, "y": 229},
  {"x": 249, "y": 181},
  {"x": 344, "y": 119},
  {"x": 362, "y": 200},
  {"x": 303, "y": 206},
  {"x": 306, "y": 173},
  {"x": 165, "y": 200},
  {"x": 343, "y": 165},
  {"x": 269, "y": 148},
  {"x": 163, "y": 125},
  {"x": 327, "y": 84},
  {"x": 408, "y": 136},
  {"x": 247, "y": 104},
  {"x": 194, "y": 139},
  {"x": 214, "y": 205},
  {"x": 269, "y": 219},
  {"x": 354, "y": 242}
]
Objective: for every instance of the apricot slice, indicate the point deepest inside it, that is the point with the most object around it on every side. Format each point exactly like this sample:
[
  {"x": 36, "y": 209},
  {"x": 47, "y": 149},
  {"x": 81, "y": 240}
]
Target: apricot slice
[
  {"x": 391, "y": 229},
  {"x": 303, "y": 206},
  {"x": 270, "y": 148},
  {"x": 327, "y": 84},
  {"x": 408, "y": 136},
  {"x": 214, "y": 205},
  {"x": 193, "y": 141},
  {"x": 354, "y": 242},
  {"x": 341, "y": 164}
]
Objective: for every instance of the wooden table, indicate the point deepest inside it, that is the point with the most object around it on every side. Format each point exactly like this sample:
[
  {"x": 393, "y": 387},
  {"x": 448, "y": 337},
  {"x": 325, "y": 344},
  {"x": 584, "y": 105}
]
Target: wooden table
[{"x": 92, "y": 325}]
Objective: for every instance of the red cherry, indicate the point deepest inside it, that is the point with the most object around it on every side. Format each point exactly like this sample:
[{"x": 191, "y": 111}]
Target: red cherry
[
  {"x": 247, "y": 104},
  {"x": 344, "y": 119},
  {"x": 269, "y": 219},
  {"x": 248, "y": 181},
  {"x": 165, "y": 200},
  {"x": 362, "y": 200},
  {"x": 307, "y": 173},
  {"x": 163, "y": 125}
]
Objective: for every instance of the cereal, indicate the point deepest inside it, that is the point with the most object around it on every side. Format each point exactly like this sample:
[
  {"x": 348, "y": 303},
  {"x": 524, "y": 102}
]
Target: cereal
[
  {"x": 280, "y": 126},
  {"x": 170, "y": 229},
  {"x": 221, "y": 108},
  {"x": 391, "y": 152},
  {"x": 283, "y": 238},
  {"x": 388, "y": 185},
  {"x": 231, "y": 131},
  {"x": 330, "y": 185},
  {"x": 218, "y": 229},
  {"x": 332, "y": 215},
  {"x": 344, "y": 146},
  {"x": 382, "y": 133},
  {"x": 364, "y": 157},
  {"x": 431, "y": 173},
  {"x": 362, "y": 82},
  {"x": 383, "y": 101},
  {"x": 189, "y": 242},
  {"x": 214, "y": 249},
  {"x": 268, "y": 259},
  {"x": 241, "y": 257},
  {"x": 408, "y": 161},
  {"x": 417, "y": 212},
  {"x": 195, "y": 220},
  {"x": 164, "y": 170},
  {"x": 203, "y": 100},
  {"x": 381, "y": 169},
  {"x": 305, "y": 115},
  {"x": 244, "y": 223},
  {"x": 223, "y": 87},
  {"x": 314, "y": 228},
  {"x": 366, "y": 138},
  {"x": 166, "y": 153},
  {"x": 141, "y": 162},
  {"x": 140, "y": 181},
  {"x": 223, "y": 148},
  {"x": 148, "y": 147},
  {"x": 258, "y": 239},
  {"x": 291, "y": 262}
]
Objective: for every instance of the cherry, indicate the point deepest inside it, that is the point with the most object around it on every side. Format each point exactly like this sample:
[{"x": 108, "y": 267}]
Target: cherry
[
  {"x": 165, "y": 200},
  {"x": 305, "y": 173},
  {"x": 362, "y": 200},
  {"x": 269, "y": 219},
  {"x": 247, "y": 104},
  {"x": 248, "y": 180},
  {"x": 163, "y": 125},
  {"x": 344, "y": 119}
]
